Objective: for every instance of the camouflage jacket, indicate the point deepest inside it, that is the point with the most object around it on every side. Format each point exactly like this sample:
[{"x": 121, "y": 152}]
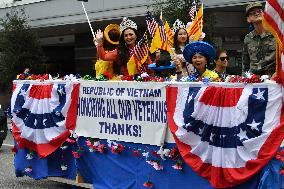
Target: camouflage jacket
[{"x": 259, "y": 54}]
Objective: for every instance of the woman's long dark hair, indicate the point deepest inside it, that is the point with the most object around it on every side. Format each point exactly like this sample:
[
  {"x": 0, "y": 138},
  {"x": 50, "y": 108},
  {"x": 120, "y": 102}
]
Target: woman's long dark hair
[
  {"x": 123, "y": 51},
  {"x": 176, "y": 45}
]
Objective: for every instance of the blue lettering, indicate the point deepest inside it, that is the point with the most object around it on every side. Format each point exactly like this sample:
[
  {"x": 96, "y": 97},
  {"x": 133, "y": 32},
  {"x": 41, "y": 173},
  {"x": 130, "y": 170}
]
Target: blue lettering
[
  {"x": 128, "y": 130},
  {"x": 92, "y": 107},
  {"x": 83, "y": 100},
  {"x": 165, "y": 113},
  {"x": 124, "y": 107},
  {"x": 84, "y": 90},
  {"x": 113, "y": 129},
  {"x": 101, "y": 124},
  {"x": 111, "y": 109},
  {"x": 157, "y": 92},
  {"x": 107, "y": 127},
  {"x": 135, "y": 130},
  {"x": 120, "y": 129},
  {"x": 78, "y": 107}
]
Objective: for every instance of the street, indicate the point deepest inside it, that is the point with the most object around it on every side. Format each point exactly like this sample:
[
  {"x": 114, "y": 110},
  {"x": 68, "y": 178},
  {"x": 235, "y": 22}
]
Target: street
[{"x": 8, "y": 180}]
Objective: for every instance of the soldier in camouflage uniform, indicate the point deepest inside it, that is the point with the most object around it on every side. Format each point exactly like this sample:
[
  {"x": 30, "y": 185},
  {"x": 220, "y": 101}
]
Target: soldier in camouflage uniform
[{"x": 259, "y": 45}]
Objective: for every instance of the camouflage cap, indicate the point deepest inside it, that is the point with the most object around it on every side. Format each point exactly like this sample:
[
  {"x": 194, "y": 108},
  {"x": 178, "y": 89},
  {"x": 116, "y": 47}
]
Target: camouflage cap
[{"x": 253, "y": 5}]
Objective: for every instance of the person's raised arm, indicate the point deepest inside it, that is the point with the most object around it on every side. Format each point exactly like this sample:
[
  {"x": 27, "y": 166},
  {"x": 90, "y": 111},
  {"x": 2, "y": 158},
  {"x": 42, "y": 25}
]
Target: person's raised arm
[{"x": 102, "y": 54}]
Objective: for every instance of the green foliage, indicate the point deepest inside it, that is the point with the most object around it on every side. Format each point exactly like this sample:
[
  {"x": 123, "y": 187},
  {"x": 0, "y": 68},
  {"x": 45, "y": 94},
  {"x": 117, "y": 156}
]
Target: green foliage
[
  {"x": 19, "y": 47},
  {"x": 171, "y": 9},
  {"x": 179, "y": 9}
]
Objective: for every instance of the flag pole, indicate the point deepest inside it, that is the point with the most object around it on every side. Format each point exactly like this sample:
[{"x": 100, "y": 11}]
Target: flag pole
[{"x": 88, "y": 20}]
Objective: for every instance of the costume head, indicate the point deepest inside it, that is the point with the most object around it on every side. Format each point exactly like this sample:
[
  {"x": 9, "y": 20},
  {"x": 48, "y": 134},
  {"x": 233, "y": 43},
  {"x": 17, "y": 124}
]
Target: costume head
[
  {"x": 127, "y": 23},
  {"x": 199, "y": 47},
  {"x": 112, "y": 34},
  {"x": 253, "y": 5}
]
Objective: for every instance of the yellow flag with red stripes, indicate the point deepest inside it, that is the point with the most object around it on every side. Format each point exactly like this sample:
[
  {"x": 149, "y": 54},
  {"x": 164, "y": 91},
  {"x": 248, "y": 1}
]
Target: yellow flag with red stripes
[
  {"x": 170, "y": 35},
  {"x": 160, "y": 39},
  {"x": 197, "y": 26}
]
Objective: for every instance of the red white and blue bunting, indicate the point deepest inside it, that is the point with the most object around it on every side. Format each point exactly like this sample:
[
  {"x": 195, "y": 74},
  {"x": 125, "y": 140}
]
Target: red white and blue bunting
[
  {"x": 44, "y": 114},
  {"x": 226, "y": 133}
]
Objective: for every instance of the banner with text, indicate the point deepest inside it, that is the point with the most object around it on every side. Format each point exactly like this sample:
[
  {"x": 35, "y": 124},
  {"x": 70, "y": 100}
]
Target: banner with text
[{"x": 124, "y": 111}]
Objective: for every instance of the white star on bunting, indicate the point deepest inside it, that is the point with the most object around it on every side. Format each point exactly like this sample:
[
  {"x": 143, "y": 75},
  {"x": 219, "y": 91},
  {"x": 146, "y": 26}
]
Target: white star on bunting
[
  {"x": 259, "y": 95},
  {"x": 242, "y": 134},
  {"x": 22, "y": 93},
  {"x": 190, "y": 98},
  {"x": 254, "y": 125},
  {"x": 61, "y": 91}
]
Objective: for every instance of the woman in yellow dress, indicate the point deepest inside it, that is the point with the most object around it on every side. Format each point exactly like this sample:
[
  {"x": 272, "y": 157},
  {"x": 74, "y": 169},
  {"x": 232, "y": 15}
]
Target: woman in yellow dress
[{"x": 111, "y": 40}]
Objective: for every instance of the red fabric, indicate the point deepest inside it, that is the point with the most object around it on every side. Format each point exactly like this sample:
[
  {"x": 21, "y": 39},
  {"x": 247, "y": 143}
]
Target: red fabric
[
  {"x": 224, "y": 177},
  {"x": 218, "y": 96},
  {"x": 72, "y": 112},
  {"x": 14, "y": 87},
  {"x": 44, "y": 150},
  {"x": 41, "y": 91}
]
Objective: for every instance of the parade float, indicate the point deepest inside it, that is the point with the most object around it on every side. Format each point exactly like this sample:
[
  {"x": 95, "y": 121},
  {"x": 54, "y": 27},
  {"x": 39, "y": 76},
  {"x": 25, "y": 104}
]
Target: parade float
[{"x": 146, "y": 131}]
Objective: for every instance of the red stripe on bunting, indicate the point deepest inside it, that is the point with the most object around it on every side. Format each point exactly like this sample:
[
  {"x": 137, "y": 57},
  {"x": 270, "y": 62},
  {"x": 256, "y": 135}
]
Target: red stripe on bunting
[
  {"x": 43, "y": 150},
  {"x": 171, "y": 96},
  {"x": 40, "y": 91},
  {"x": 221, "y": 97},
  {"x": 14, "y": 87},
  {"x": 224, "y": 177},
  {"x": 72, "y": 112}
]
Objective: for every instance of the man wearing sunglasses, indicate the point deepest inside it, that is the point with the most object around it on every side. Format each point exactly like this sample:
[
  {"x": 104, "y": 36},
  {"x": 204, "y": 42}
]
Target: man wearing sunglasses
[{"x": 259, "y": 45}]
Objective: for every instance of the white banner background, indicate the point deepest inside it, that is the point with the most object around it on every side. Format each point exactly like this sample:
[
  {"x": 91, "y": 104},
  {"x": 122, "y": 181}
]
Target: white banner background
[{"x": 123, "y": 111}]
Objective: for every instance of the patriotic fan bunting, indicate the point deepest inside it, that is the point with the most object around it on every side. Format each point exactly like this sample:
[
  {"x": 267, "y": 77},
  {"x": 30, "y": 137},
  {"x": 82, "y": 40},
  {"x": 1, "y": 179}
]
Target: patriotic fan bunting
[
  {"x": 43, "y": 114},
  {"x": 226, "y": 134}
]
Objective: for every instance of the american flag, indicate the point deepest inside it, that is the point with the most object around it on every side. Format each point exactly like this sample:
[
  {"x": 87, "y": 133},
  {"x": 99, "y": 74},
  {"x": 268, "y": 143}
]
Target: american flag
[
  {"x": 141, "y": 49},
  {"x": 151, "y": 24},
  {"x": 192, "y": 11},
  {"x": 162, "y": 29},
  {"x": 274, "y": 18}
]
